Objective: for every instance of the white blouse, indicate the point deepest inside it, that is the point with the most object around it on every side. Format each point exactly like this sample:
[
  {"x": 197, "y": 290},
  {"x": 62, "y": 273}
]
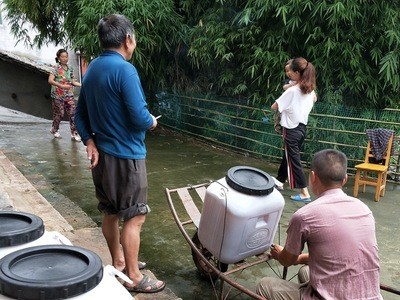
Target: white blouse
[{"x": 295, "y": 107}]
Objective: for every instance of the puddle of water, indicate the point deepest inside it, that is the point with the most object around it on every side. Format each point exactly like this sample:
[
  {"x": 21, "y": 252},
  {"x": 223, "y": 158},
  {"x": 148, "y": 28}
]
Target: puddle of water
[{"x": 173, "y": 161}]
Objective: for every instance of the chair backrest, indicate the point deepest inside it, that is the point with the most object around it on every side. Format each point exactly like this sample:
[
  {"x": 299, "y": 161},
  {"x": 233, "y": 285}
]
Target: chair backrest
[{"x": 370, "y": 158}]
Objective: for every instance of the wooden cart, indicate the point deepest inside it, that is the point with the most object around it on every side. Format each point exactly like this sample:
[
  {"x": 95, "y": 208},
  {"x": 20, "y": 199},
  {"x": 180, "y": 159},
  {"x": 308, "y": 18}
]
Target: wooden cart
[{"x": 191, "y": 198}]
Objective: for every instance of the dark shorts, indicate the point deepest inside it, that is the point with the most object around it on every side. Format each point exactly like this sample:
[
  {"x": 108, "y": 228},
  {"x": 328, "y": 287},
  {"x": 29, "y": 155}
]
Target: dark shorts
[{"x": 121, "y": 186}]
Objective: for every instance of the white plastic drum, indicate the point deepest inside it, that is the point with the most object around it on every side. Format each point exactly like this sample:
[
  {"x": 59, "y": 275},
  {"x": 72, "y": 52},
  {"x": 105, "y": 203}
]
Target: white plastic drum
[
  {"x": 240, "y": 215},
  {"x": 20, "y": 230},
  {"x": 36, "y": 264},
  {"x": 53, "y": 272}
]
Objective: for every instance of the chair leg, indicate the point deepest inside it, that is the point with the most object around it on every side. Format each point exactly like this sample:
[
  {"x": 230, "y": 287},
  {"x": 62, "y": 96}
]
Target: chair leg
[
  {"x": 383, "y": 186},
  {"x": 355, "y": 191},
  {"x": 378, "y": 187}
]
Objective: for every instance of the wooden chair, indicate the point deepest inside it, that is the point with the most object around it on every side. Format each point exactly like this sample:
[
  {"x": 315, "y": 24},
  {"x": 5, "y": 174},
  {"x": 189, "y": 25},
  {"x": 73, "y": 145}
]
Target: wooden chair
[{"x": 374, "y": 174}]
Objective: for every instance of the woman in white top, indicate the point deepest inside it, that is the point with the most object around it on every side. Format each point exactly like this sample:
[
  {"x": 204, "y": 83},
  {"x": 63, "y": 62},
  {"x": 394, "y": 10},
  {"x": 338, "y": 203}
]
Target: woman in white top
[{"x": 295, "y": 105}]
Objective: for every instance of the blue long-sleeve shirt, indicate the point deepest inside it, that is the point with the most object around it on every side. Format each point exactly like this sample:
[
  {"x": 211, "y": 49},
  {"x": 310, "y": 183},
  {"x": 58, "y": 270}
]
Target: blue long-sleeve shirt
[{"x": 112, "y": 108}]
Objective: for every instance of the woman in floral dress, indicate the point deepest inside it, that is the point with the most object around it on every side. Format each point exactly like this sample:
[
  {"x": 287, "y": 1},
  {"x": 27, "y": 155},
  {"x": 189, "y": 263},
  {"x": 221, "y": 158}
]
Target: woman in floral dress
[{"x": 62, "y": 82}]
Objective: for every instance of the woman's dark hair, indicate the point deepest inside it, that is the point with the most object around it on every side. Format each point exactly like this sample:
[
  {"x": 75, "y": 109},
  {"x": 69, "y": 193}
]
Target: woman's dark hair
[
  {"x": 58, "y": 54},
  {"x": 307, "y": 73},
  {"x": 113, "y": 29}
]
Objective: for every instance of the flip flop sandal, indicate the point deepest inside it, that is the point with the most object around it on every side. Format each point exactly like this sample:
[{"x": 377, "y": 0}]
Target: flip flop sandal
[
  {"x": 298, "y": 198},
  {"x": 144, "y": 284},
  {"x": 142, "y": 265}
]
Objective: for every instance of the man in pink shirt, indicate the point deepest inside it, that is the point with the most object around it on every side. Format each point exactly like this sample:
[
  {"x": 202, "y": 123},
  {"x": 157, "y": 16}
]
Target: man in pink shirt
[{"x": 339, "y": 231}]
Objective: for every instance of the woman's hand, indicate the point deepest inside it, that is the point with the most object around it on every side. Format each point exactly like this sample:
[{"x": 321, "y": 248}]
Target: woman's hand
[
  {"x": 65, "y": 86},
  {"x": 274, "y": 106}
]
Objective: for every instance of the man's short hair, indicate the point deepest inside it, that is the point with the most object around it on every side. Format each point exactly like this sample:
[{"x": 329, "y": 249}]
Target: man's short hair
[
  {"x": 113, "y": 29},
  {"x": 330, "y": 166}
]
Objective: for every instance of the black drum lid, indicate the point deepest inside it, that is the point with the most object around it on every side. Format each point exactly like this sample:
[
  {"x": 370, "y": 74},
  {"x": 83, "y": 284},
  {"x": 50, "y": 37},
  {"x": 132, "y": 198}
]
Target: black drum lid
[
  {"x": 18, "y": 228},
  {"x": 250, "y": 181},
  {"x": 49, "y": 272}
]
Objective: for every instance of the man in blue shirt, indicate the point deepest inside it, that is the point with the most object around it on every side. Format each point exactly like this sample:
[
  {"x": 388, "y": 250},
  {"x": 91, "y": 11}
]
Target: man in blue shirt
[{"x": 112, "y": 119}]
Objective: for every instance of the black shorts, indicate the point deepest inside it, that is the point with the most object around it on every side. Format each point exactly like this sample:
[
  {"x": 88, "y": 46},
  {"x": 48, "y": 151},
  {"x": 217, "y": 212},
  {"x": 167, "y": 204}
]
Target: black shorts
[{"x": 121, "y": 186}]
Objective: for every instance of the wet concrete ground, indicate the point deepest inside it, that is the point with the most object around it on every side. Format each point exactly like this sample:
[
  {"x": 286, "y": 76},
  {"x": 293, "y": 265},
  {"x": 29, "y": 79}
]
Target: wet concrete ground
[{"x": 59, "y": 171}]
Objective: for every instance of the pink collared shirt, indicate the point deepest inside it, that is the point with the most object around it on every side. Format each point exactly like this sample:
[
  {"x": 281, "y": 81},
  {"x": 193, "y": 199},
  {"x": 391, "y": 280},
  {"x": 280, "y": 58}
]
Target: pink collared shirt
[{"x": 339, "y": 231}]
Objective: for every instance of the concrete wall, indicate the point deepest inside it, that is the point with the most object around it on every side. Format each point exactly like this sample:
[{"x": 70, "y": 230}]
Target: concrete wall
[{"x": 24, "y": 90}]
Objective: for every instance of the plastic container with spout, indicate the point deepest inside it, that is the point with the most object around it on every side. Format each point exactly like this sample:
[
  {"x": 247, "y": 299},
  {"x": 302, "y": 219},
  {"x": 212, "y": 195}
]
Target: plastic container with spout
[{"x": 240, "y": 215}]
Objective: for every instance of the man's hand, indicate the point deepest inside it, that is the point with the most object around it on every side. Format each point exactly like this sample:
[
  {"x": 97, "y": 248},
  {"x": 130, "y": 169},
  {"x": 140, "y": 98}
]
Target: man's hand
[
  {"x": 92, "y": 153},
  {"x": 154, "y": 123},
  {"x": 275, "y": 251},
  {"x": 285, "y": 258}
]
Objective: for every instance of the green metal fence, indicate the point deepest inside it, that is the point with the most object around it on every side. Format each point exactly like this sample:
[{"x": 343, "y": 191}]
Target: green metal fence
[{"x": 247, "y": 128}]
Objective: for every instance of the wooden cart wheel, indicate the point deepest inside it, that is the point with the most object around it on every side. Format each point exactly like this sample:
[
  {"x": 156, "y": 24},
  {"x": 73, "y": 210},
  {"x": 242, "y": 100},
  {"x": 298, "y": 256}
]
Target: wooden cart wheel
[{"x": 206, "y": 272}]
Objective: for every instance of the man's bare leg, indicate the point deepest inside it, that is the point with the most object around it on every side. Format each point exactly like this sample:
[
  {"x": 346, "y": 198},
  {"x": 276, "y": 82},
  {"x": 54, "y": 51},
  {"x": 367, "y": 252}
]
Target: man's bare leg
[
  {"x": 130, "y": 240},
  {"x": 110, "y": 228}
]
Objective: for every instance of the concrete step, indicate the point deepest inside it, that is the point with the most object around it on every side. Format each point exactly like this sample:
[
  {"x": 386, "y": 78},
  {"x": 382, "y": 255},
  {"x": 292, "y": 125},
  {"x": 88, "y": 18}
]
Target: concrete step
[{"x": 17, "y": 193}]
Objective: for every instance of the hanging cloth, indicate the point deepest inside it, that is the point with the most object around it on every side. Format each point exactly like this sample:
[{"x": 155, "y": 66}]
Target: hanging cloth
[{"x": 379, "y": 138}]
